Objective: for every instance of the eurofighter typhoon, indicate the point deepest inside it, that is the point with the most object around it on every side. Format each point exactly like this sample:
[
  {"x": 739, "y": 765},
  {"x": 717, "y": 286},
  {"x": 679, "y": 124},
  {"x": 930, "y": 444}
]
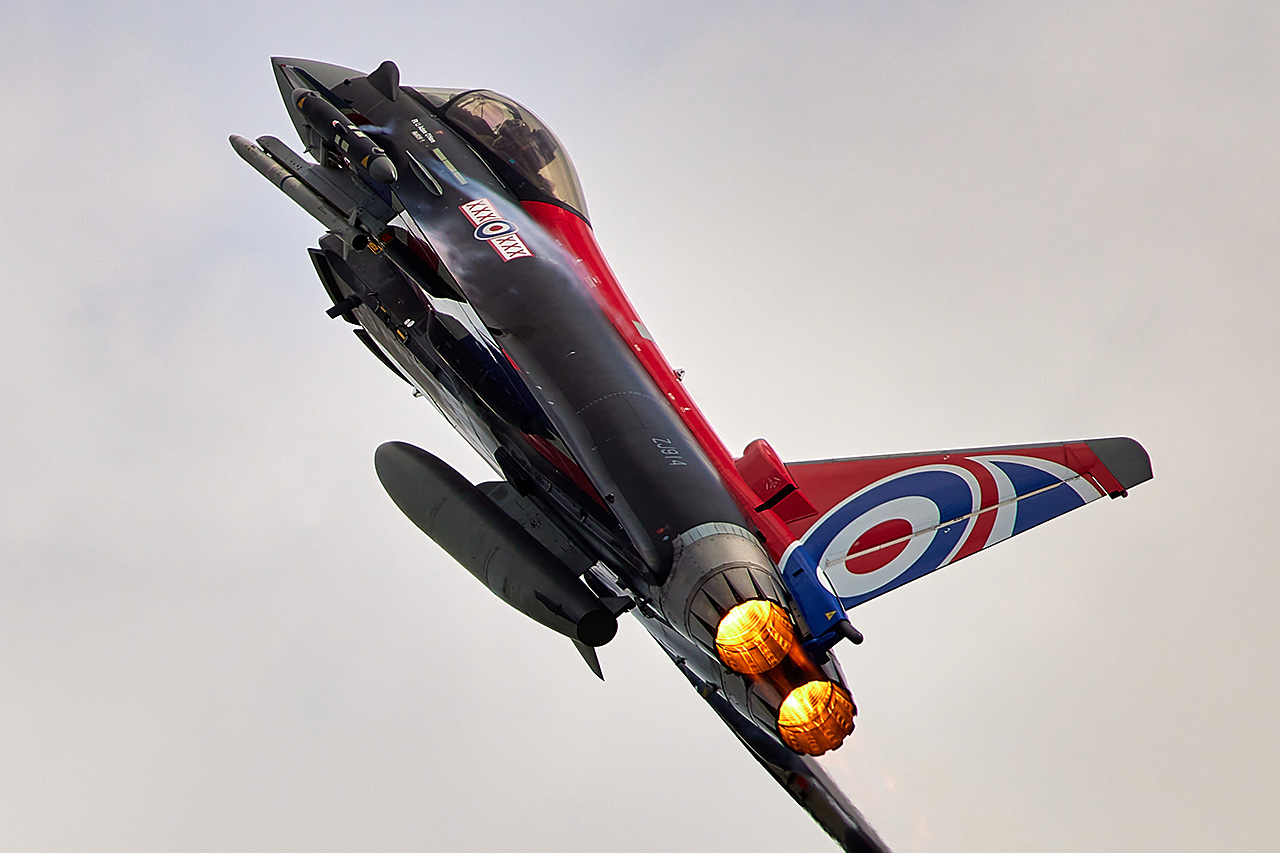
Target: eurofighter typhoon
[{"x": 458, "y": 245}]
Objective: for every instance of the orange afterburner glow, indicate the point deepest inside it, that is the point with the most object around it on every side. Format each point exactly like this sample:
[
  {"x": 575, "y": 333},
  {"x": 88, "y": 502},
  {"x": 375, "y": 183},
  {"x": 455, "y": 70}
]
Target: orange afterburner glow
[
  {"x": 754, "y": 637},
  {"x": 816, "y": 717}
]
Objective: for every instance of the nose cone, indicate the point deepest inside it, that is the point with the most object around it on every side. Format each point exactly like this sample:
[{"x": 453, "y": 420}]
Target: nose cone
[
  {"x": 383, "y": 170},
  {"x": 306, "y": 73}
]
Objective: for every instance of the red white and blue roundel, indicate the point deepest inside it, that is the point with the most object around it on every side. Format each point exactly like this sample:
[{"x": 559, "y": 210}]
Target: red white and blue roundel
[{"x": 915, "y": 521}]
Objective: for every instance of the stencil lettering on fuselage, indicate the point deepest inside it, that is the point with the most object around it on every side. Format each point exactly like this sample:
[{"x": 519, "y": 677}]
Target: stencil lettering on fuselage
[{"x": 668, "y": 449}]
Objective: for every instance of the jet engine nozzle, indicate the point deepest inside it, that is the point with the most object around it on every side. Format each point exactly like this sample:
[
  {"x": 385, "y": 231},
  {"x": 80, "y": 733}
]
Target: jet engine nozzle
[
  {"x": 816, "y": 717},
  {"x": 754, "y": 637},
  {"x": 491, "y": 545}
]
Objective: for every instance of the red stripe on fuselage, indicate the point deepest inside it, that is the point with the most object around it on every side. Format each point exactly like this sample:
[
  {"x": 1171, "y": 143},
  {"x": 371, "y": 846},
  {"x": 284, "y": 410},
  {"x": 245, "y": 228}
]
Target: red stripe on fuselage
[{"x": 574, "y": 234}]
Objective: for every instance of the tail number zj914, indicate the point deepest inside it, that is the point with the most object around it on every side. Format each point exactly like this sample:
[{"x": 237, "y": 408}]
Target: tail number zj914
[{"x": 668, "y": 449}]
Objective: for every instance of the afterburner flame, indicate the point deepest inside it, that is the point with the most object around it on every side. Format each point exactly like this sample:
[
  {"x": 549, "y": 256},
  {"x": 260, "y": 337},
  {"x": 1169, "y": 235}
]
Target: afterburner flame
[
  {"x": 754, "y": 637},
  {"x": 816, "y": 717}
]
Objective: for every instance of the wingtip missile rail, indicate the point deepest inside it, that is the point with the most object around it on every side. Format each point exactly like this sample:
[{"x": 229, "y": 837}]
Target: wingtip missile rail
[{"x": 298, "y": 190}]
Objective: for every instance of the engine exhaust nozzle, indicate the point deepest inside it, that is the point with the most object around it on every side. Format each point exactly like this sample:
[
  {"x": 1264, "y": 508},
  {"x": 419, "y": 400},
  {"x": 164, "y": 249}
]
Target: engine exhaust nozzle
[
  {"x": 754, "y": 637},
  {"x": 816, "y": 717}
]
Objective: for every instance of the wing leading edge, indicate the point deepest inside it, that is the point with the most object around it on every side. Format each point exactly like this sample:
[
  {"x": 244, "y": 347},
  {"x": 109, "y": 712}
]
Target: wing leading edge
[{"x": 875, "y": 523}]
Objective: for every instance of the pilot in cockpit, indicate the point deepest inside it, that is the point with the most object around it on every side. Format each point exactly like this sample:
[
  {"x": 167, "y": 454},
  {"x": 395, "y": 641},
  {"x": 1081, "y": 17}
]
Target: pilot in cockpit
[
  {"x": 528, "y": 149},
  {"x": 519, "y": 139}
]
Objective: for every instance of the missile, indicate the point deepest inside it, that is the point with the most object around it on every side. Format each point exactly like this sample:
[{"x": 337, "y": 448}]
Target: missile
[
  {"x": 292, "y": 186},
  {"x": 491, "y": 545},
  {"x": 351, "y": 141}
]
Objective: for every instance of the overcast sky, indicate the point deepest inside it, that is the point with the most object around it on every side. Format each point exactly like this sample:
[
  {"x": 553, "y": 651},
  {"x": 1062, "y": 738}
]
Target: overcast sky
[{"x": 861, "y": 227}]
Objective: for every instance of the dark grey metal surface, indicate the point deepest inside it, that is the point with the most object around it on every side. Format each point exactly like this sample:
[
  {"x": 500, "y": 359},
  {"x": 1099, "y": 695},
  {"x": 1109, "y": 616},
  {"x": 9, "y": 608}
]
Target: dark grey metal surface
[
  {"x": 1127, "y": 460},
  {"x": 539, "y": 525},
  {"x": 490, "y": 544}
]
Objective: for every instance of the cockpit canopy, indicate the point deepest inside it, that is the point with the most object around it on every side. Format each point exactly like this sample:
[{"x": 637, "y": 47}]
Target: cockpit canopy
[{"x": 516, "y": 138}]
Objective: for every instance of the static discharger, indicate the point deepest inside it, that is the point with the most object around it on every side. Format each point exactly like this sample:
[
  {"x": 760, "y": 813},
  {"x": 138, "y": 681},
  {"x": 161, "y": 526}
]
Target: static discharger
[
  {"x": 816, "y": 717},
  {"x": 754, "y": 637}
]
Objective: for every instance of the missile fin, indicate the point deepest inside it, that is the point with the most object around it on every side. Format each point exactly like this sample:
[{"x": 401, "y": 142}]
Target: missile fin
[{"x": 589, "y": 655}]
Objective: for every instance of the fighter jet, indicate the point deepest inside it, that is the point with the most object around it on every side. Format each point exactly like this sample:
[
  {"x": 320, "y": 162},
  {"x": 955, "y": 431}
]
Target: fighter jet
[{"x": 458, "y": 244}]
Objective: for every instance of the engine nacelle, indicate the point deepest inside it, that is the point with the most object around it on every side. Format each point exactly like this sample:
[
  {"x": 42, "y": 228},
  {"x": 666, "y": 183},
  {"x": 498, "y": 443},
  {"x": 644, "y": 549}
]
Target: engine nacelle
[{"x": 726, "y": 593}]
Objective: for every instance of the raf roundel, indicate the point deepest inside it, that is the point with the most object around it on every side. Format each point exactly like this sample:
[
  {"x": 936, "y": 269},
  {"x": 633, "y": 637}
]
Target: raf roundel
[
  {"x": 494, "y": 228},
  {"x": 895, "y": 527},
  {"x": 918, "y": 520},
  {"x": 878, "y": 547}
]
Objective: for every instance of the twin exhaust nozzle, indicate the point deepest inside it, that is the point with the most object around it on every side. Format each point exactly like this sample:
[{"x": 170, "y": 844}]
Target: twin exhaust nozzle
[{"x": 756, "y": 638}]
